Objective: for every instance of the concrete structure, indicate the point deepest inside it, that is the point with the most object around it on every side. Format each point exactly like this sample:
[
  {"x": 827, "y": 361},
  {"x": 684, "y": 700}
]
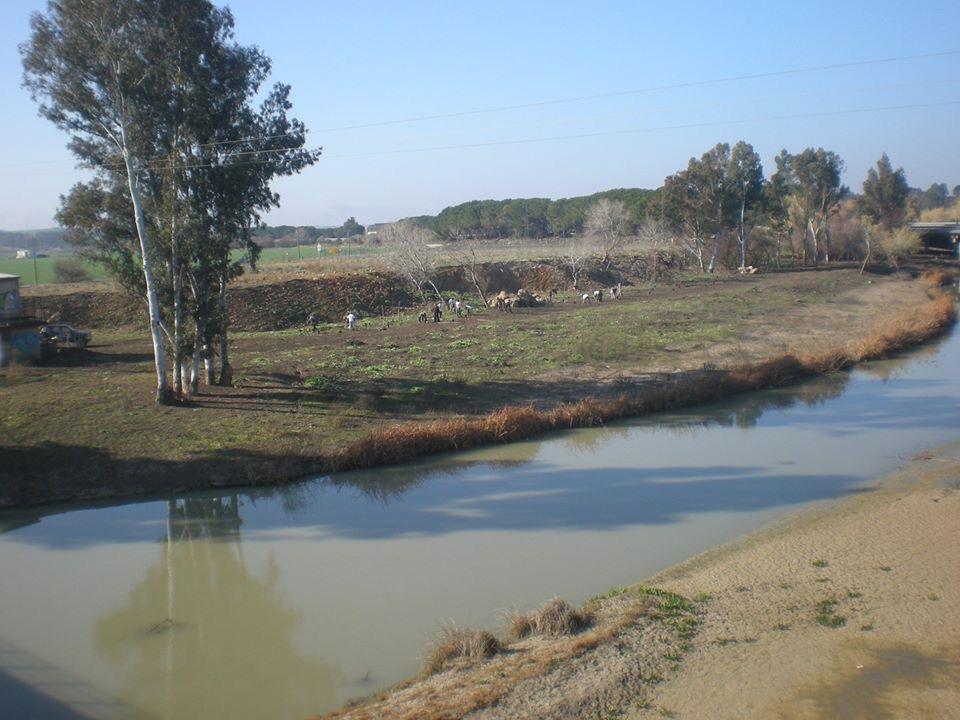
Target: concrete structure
[
  {"x": 940, "y": 237},
  {"x": 19, "y": 335}
]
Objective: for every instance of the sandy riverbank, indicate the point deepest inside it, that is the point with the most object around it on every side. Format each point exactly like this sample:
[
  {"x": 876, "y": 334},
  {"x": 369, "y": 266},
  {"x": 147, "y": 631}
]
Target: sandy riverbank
[{"x": 849, "y": 610}]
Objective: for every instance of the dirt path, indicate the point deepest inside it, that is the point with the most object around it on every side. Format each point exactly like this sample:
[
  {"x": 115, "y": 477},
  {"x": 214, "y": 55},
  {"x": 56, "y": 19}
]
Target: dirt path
[{"x": 891, "y": 562}]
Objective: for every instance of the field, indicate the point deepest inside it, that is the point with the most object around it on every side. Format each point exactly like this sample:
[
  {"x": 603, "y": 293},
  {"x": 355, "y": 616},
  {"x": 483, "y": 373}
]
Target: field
[
  {"x": 43, "y": 273},
  {"x": 300, "y": 397}
]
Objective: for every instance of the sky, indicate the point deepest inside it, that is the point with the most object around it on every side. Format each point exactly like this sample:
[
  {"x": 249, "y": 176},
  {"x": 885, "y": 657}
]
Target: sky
[{"x": 366, "y": 63}]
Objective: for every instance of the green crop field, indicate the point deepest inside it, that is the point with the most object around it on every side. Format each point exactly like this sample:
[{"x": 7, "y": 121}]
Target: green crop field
[
  {"x": 43, "y": 274},
  {"x": 309, "y": 252}
]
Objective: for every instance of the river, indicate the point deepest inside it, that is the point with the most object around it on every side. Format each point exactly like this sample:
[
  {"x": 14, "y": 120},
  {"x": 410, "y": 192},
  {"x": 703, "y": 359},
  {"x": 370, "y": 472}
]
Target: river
[{"x": 286, "y": 603}]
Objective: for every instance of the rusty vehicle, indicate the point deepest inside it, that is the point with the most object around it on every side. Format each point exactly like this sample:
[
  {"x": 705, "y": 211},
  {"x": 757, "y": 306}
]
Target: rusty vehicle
[{"x": 63, "y": 333}]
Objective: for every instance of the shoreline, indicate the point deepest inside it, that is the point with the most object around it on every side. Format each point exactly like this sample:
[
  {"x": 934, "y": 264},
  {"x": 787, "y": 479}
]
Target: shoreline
[
  {"x": 837, "y": 610},
  {"x": 411, "y": 440}
]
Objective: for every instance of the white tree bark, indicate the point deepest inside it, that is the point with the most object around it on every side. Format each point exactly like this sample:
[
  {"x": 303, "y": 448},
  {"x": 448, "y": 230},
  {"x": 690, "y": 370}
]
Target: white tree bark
[{"x": 153, "y": 302}]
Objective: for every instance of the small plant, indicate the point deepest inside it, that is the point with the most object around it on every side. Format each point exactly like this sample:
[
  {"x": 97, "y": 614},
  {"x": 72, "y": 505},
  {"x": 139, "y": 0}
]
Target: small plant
[
  {"x": 867, "y": 627},
  {"x": 886, "y": 568},
  {"x": 455, "y": 643},
  {"x": 556, "y": 618},
  {"x": 820, "y": 563},
  {"x": 854, "y": 594},
  {"x": 827, "y": 615},
  {"x": 933, "y": 596},
  {"x": 666, "y": 712},
  {"x": 782, "y": 627}
]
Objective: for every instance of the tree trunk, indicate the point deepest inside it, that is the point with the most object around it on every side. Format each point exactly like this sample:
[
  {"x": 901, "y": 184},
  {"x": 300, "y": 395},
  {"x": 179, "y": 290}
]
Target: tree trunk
[
  {"x": 177, "y": 310},
  {"x": 816, "y": 249},
  {"x": 226, "y": 372},
  {"x": 153, "y": 302},
  {"x": 866, "y": 258},
  {"x": 743, "y": 237}
]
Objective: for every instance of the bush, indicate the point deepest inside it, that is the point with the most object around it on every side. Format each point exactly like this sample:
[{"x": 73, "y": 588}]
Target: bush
[
  {"x": 70, "y": 271},
  {"x": 455, "y": 643}
]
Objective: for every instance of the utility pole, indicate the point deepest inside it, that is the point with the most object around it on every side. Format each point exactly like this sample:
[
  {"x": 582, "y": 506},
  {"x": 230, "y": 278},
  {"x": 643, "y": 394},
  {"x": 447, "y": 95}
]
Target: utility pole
[{"x": 36, "y": 281}]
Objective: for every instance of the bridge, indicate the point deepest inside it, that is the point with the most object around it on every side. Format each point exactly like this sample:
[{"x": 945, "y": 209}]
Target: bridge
[{"x": 939, "y": 237}]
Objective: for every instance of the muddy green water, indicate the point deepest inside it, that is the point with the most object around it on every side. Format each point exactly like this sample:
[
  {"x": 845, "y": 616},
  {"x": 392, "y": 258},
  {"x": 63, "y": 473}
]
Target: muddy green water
[{"x": 282, "y": 604}]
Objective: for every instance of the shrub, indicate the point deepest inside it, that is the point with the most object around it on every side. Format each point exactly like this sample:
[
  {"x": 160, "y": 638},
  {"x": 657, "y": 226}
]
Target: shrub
[
  {"x": 455, "y": 643},
  {"x": 69, "y": 271},
  {"x": 557, "y": 617}
]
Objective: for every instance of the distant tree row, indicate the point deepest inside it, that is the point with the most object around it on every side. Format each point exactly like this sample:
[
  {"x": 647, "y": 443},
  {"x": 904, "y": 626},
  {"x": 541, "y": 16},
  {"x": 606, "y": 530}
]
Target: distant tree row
[
  {"x": 308, "y": 233},
  {"x": 530, "y": 217}
]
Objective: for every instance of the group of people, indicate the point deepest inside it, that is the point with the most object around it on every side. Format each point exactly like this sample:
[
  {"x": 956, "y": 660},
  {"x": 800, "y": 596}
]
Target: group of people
[
  {"x": 350, "y": 321},
  {"x": 454, "y": 305}
]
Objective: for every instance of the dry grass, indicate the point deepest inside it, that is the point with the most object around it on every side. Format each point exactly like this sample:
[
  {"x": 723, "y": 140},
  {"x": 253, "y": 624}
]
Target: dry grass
[
  {"x": 481, "y": 685},
  {"x": 937, "y": 277},
  {"x": 555, "y": 619},
  {"x": 460, "y": 643},
  {"x": 402, "y": 442}
]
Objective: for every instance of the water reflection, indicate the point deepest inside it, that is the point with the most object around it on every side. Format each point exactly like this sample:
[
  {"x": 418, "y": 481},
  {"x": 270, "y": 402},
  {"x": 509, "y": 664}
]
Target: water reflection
[{"x": 200, "y": 635}]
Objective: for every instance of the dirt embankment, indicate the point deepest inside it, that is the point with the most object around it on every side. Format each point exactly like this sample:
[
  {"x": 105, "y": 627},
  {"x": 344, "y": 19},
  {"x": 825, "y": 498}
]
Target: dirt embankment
[{"x": 266, "y": 302}]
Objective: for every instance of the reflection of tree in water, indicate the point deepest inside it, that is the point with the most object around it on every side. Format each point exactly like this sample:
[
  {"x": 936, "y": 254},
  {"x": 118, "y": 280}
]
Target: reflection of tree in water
[
  {"x": 200, "y": 636},
  {"x": 589, "y": 440},
  {"x": 745, "y": 411},
  {"x": 892, "y": 368}
]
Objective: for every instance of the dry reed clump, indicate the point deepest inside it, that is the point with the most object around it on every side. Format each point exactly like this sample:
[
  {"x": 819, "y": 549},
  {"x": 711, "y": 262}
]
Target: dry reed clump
[
  {"x": 399, "y": 443},
  {"x": 556, "y": 618},
  {"x": 937, "y": 277},
  {"x": 455, "y": 643}
]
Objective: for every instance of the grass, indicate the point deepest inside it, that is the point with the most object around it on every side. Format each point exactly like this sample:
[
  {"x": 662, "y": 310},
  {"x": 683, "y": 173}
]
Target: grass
[
  {"x": 460, "y": 644},
  {"x": 44, "y": 274},
  {"x": 827, "y": 613},
  {"x": 308, "y": 403},
  {"x": 820, "y": 563},
  {"x": 556, "y": 618}
]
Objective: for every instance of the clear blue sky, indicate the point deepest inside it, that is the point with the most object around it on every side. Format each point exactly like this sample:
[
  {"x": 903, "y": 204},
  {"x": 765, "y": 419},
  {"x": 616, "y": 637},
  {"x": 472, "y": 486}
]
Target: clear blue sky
[{"x": 360, "y": 62}]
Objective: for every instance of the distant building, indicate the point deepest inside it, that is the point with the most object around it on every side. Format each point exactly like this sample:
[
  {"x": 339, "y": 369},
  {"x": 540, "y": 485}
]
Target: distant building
[
  {"x": 24, "y": 254},
  {"x": 374, "y": 228}
]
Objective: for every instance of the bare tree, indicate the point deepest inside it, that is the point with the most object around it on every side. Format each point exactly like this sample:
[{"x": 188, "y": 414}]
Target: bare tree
[
  {"x": 412, "y": 254},
  {"x": 466, "y": 257},
  {"x": 575, "y": 257},
  {"x": 653, "y": 237},
  {"x": 607, "y": 224}
]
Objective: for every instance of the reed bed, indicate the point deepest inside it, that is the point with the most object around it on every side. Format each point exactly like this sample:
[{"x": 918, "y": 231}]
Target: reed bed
[{"x": 407, "y": 441}]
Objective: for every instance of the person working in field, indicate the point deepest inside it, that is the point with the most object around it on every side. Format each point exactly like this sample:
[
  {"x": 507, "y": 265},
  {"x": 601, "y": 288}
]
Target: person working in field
[
  {"x": 351, "y": 319},
  {"x": 437, "y": 312},
  {"x": 314, "y": 321}
]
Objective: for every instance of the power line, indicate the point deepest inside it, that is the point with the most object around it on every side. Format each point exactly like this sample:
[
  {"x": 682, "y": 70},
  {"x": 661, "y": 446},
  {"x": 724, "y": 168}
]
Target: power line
[
  {"x": 541, "y": 103},
  {"x": 577, "y": 136},
  {"x": 687, "y": 126},
  {"x": 563, "y": 120},
  {"x": 649, "y": 89}
]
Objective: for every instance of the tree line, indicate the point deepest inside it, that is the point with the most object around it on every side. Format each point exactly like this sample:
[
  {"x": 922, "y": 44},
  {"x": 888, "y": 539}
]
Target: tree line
[
  {"x": 159, "y": 102},
  {"x": 529, "y": 217}
]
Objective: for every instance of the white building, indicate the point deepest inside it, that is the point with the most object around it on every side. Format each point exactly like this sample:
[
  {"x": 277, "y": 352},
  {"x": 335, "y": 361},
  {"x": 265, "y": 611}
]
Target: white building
[{"x": 24, "y": 254}]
